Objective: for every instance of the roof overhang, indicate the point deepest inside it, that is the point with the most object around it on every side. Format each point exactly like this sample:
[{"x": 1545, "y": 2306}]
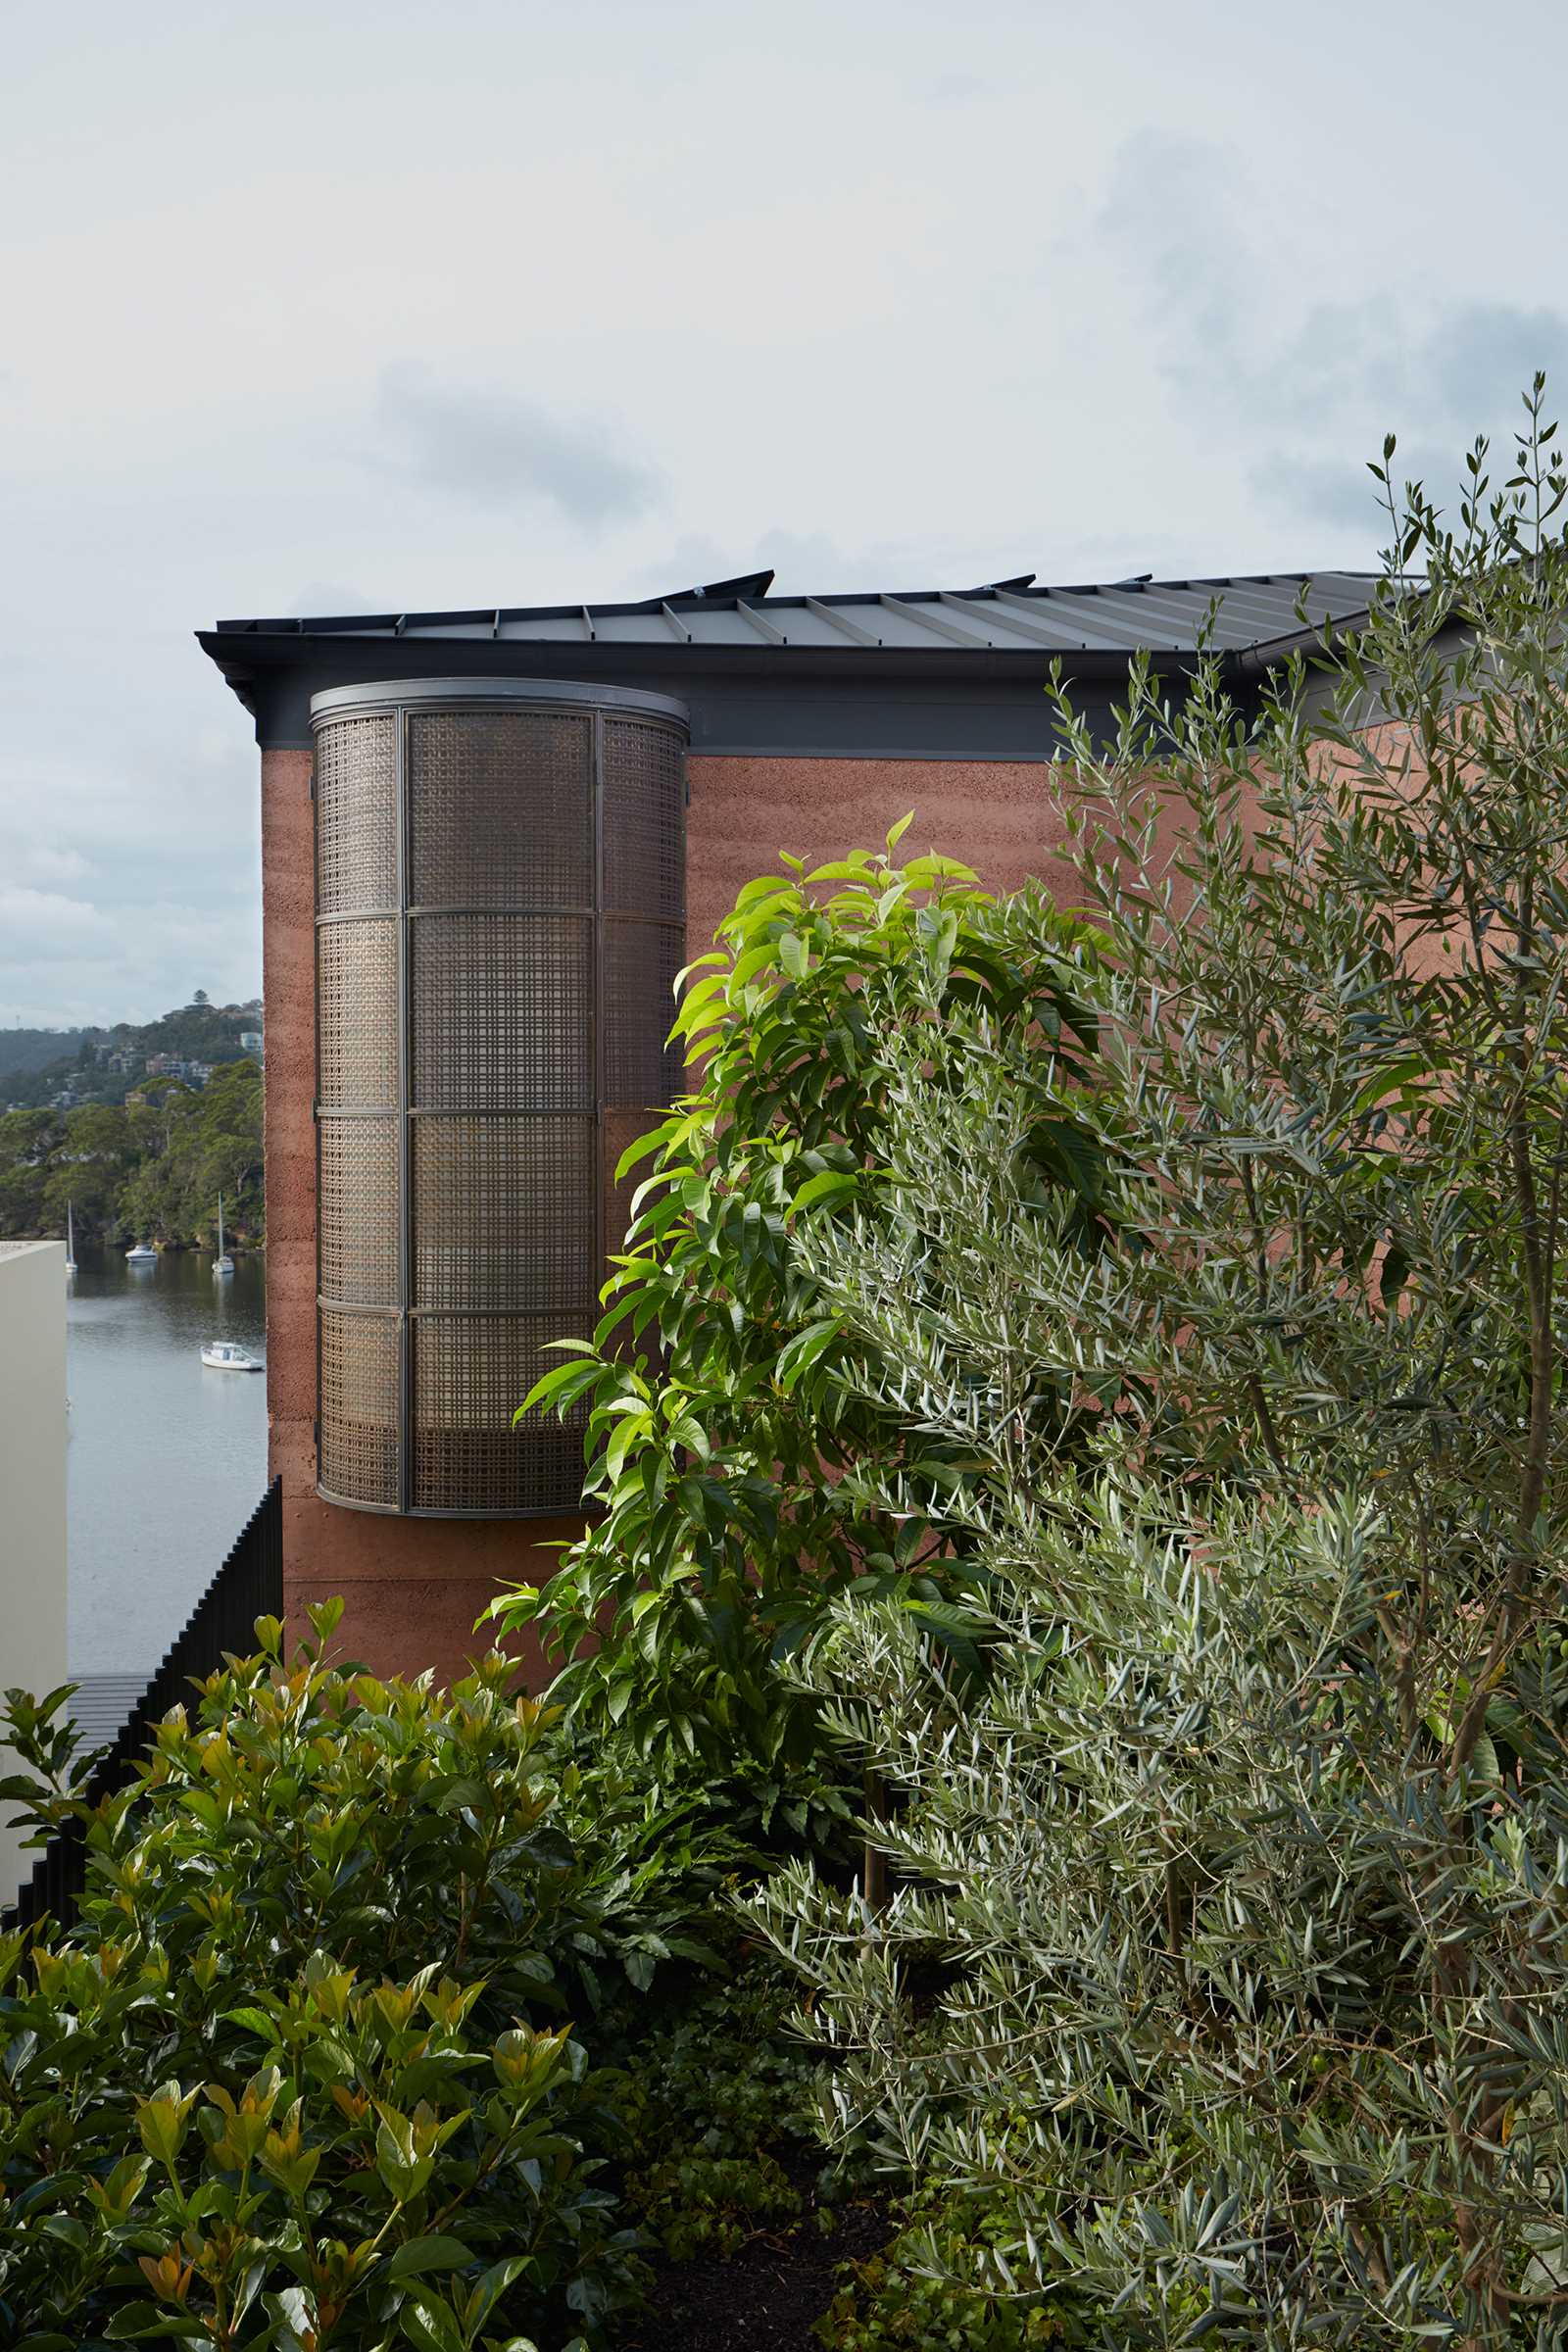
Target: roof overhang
[{"x": 931, "y": 673}]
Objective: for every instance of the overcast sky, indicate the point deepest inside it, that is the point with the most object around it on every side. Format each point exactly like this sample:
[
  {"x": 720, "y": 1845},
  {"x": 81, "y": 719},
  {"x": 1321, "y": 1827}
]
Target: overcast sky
[{"x": 346, "y": 307}]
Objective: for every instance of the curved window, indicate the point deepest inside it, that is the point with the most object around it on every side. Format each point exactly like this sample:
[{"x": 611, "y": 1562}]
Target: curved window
[{"x": 499, "y": 893}]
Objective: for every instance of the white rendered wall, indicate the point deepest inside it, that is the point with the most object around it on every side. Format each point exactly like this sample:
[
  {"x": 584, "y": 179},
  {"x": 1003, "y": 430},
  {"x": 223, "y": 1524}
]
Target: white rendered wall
[{"x": 33, "y": 1491}]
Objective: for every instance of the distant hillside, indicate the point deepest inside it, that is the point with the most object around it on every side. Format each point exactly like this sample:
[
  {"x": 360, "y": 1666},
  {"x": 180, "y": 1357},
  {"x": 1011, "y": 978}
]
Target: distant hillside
[
  {"x": 149, "y": 1169},
  {"x": 22, "y": 1049},
  {"x": 201, "y": 1031},
  {"x": 105, "y": 1065}
]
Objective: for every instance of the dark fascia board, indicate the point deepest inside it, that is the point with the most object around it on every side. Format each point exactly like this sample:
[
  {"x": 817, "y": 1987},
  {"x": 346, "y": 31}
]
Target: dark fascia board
[
  {"x": 855, "y": 692},
  {"x": 900, "y": 709},
  {"x": 241, "y": 654},
  {"x": 807, "y": 701}
]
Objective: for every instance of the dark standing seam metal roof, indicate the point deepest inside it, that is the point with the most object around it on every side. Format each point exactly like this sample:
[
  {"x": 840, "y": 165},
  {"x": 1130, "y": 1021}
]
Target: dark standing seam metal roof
[
  {"x": 1235, "y": 615},
  {"x": 919, "y": 673}
]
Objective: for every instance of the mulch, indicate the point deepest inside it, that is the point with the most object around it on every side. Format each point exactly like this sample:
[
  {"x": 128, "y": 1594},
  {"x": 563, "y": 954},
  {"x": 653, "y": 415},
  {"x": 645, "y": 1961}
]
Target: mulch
[{"x": 763, "y": 2298}]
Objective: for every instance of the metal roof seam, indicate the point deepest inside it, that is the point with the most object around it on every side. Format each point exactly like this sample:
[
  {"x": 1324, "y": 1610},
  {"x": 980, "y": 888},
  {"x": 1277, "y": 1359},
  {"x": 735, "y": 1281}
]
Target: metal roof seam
[
  {"x": 838, "y": 620},
  {"x": 908, "y": 611},
  {"x": 1004, "y": 621},
  {"x": 762, "y": 626}
]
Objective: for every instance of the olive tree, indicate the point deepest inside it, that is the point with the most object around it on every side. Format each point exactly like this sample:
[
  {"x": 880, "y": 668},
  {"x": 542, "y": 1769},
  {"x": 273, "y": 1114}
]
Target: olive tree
[{"x": 1227, "y": 1955}]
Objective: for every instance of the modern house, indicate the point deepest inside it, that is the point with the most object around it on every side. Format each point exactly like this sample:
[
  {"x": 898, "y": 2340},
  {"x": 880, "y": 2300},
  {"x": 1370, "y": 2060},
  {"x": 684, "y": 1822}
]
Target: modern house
[
  {"x": 32, "y": 1490},
  {"x": 490, "y": 840}
]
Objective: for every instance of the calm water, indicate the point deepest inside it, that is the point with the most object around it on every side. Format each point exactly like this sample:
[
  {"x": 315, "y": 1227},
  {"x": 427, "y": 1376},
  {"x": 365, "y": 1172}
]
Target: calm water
[{"x": 165, "y": 1460}]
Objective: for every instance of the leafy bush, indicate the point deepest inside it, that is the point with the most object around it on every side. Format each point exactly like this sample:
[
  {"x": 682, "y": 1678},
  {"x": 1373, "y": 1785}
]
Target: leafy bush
[
  {"x": 301, "y": 2075},
  {"x": 301, "y": 2173},
  {"x": 896, "y": 2302},
  {"x": 727, "y": 1460},
  {"x": 1242, "y": 1882},
  {"x": 714, "y": 2095},
  {"x": 718, "y": 2100}
]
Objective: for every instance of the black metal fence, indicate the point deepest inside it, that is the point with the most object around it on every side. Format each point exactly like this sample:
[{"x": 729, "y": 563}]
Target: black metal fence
[{"x": 249, "y": 1585}]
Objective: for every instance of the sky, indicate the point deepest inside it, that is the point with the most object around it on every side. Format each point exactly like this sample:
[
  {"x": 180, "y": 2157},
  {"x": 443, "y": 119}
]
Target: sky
[{"x": 362, "y": 307}]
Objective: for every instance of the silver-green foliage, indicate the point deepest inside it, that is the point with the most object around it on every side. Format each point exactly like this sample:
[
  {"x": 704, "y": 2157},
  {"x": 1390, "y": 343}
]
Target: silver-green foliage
[{"x": 1227, "y": 1953}]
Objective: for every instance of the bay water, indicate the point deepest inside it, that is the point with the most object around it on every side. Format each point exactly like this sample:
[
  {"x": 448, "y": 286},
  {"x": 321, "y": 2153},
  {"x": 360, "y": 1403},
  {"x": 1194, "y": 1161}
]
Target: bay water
[{"x": 164, "y": 1457}]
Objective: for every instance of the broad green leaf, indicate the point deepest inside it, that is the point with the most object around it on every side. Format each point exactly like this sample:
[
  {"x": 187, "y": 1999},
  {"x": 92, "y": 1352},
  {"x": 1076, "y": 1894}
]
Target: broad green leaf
[{"x": 420, "y": 2254}]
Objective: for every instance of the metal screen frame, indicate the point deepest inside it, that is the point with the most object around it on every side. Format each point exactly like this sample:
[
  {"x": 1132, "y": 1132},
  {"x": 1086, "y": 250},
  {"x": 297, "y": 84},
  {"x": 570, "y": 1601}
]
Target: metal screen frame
[{"x": 608, "y": 1077}]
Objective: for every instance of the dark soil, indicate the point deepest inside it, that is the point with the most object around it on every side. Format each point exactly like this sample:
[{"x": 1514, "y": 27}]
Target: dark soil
[{"x": 764, "y": 2297}]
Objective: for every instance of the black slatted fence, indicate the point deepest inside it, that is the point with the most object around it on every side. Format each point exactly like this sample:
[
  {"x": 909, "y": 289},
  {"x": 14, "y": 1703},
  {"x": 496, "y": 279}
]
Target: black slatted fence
[{"x": 249, "y": 1585}]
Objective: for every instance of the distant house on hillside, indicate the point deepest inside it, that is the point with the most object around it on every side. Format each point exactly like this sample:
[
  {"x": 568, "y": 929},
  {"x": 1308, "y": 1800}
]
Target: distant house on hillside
[{"x": 491, "y": 838}]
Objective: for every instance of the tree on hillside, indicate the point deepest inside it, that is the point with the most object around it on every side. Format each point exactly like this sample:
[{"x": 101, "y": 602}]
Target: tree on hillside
[
  {"x": 154, "y": 1166},
  {"x": 25, "y": 1137},
  {"x": 23, "y": 1050},
  {"x": 228, "y": 1140},
  {"x": 207, "y": 1142},
  {"x": 87, "y": 1168}
]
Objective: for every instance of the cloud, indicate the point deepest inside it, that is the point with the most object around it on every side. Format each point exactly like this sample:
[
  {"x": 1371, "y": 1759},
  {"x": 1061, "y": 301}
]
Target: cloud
[
  {"x": 318, "y": 597},
  {"x": 127, "y": 881},
  {"x": 44, "y": 925},
  {"x": 1309, "y": 390},
  {"x": 957, "y": 89},
  {"x": 496, "y": 450},
  {"x": 816, "y": 563},
  {"x": 802, "y": 563},
  {"x": 39, "y": 864},
  {"x": 1479, "y": 356},
  {"x": 1325, "y": 489},
  {"x": 67, "y": 961}
]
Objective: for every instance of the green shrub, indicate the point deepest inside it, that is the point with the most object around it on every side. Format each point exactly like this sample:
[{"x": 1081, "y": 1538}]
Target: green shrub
[
  {"x": 302, "y": 2072},
  {"x": 719, "y": 2101},
  {"x": 727, "y": 1462},
  {"x": 324, "y": 2163},
  {"x": 1227, "y": 1971},
  {"x": 898, "y": 2302},
  {"x": 712, "y": 2092}
]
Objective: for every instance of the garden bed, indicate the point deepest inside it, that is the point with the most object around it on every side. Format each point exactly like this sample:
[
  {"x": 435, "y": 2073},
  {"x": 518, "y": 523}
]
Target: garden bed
[{"x": 766, "y": 2295}]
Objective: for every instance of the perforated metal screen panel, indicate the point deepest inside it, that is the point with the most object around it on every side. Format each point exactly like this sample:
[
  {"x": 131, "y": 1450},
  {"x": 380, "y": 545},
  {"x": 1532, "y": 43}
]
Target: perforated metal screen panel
[{"x": 500, "y": 916}]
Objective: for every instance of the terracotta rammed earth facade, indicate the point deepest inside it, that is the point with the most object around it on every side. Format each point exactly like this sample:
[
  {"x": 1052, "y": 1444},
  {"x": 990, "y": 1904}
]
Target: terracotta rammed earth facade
[
  {"x": 413, "y": 1588},
  {"x": 814, "y": 723}
]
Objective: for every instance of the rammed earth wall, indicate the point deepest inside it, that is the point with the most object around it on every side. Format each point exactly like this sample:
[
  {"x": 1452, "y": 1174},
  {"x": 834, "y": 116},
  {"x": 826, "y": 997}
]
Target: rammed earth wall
[
  {"x": 814, "y": 724},
  {"x": 415, "y": 1586}
]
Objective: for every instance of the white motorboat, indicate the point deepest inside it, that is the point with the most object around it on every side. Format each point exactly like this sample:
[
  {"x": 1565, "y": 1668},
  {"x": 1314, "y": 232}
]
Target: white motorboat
[
  {"x": 141, "y": 1253},
  {"x": 222, "y": 1264},
  {"x": 226, "y": 1355},
  {"x": 70, "y": 1243}
]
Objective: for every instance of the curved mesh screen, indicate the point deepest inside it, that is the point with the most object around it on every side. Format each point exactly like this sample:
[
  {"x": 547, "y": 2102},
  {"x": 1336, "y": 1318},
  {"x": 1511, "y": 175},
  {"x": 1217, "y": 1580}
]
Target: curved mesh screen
[{"x": 500, "y": 917}]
